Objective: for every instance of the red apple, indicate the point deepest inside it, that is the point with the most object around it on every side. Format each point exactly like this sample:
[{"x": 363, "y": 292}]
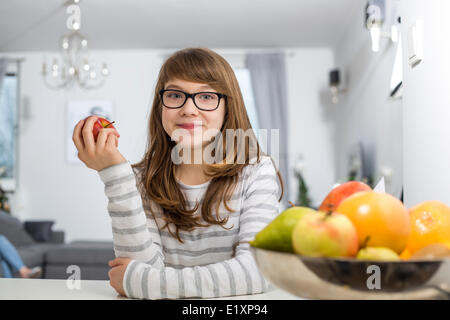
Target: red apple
[
  {"x": 341, "y": 192},
  {"x": 100, "y": 124},
  {"x": 323, "y": 234}
]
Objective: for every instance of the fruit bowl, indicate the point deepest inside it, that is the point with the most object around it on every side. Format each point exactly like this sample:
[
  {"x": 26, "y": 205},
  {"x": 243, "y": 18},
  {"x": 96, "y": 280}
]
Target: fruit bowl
[{"x": 349, "y": 278}]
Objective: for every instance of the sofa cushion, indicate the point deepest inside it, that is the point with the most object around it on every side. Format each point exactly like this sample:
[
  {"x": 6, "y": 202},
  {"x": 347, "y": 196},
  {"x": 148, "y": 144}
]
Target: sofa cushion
[
  {"x": 12, "y": 229},
  {"x": 33, "y": 255},
  {"x": 81, "y": 252},
  {"x": 41, "y": 231}
]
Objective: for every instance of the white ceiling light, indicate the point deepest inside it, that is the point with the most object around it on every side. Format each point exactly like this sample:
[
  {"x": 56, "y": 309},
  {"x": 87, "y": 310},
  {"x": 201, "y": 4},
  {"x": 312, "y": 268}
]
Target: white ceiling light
[{"x": 74, "y": 65}]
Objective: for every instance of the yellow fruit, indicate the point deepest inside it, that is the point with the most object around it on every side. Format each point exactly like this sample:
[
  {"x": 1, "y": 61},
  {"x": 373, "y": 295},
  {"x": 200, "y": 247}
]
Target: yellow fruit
[{"x": 377, "y": 254}]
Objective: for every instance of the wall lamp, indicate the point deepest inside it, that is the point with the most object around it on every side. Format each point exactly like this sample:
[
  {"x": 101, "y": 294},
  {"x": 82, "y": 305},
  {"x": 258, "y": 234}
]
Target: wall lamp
[
  {"x": 335, "y": 83},
  {"x": 375, "y": 16}
]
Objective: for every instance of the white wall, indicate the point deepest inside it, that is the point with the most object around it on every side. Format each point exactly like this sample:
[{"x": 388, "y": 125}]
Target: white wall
[
  {"x": 309, "y": 122},
  {"x": 365, "y": 113},
  {"x": 50, "y": 187},
  {"x": 73, "y": 196},
  {"x": 427, "y": 105}
]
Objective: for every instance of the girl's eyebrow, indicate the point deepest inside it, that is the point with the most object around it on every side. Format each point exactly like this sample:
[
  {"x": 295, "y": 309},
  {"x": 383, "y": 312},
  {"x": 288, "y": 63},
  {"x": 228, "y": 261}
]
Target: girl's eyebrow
[{"x": 174, "y": 86}]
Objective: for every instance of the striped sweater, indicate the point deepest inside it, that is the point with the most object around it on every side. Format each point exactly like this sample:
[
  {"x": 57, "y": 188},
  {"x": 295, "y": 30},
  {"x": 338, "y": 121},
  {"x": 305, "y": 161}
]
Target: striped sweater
[{"x": 211, "y": 261}]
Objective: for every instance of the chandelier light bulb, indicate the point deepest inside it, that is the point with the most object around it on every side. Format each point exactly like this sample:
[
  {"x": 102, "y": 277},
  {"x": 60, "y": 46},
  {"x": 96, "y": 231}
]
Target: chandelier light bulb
[
  {"x": 55, "y": 65},
  {"x": 65, "y": 44},
  {"x": 105, "y": 70},
  {"x": 86, "y": 66},
  {"x": 76, "y": 26},
  {"x": 92, "y": 75},
  {"x": 72, "y": 71},
  {"x": 84, "y": 43}
]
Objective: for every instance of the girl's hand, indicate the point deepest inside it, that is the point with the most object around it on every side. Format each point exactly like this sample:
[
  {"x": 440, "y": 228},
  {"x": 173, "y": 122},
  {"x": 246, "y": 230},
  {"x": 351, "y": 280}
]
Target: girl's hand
[
  {"x": 96, "y": 155},
  {"x": 118, "y": 267}
]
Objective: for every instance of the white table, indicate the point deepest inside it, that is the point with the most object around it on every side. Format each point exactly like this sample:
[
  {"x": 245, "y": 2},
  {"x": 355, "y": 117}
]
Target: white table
[{"x": 47, "y": 289}]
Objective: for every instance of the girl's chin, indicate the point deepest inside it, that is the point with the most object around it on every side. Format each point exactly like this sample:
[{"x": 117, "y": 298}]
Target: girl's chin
[
  {"x": 192, "y": 144},
  {"x": 190, "y": 140}
]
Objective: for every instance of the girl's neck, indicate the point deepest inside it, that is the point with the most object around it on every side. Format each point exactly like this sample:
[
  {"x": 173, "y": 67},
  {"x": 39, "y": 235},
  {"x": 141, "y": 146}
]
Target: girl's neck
[{"x": 191, "y": 174}]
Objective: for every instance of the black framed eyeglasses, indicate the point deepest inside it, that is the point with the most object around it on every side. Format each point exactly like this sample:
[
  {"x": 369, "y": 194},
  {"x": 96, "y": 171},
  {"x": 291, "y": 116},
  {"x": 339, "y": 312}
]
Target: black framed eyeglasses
[{"x": 206, "y": 101}]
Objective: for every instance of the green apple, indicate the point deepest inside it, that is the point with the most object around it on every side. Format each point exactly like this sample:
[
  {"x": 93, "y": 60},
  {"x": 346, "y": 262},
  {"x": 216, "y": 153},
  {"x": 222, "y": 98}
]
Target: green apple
[
  {"x": 277, "y": 235},
  {"x": 325, "y": 235},
  {"x": 377, "y": 254}
]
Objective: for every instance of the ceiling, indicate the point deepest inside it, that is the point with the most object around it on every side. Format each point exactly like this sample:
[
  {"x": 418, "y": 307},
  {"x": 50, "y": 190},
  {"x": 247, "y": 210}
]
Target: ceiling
[{"x": 131, "y": 24}]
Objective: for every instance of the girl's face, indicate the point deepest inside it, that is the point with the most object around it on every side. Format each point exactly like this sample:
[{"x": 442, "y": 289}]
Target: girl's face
[{"x": 188, "y": 122}]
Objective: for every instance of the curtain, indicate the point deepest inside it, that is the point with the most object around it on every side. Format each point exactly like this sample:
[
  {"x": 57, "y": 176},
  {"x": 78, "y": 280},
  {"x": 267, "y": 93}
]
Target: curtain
[
  {"x": 269, "y": 84},
  {"x": 3, "y": 65}
]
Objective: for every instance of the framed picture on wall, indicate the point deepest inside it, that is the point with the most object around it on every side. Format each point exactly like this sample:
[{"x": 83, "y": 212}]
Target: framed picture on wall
[{"x": 78, "y": 110}]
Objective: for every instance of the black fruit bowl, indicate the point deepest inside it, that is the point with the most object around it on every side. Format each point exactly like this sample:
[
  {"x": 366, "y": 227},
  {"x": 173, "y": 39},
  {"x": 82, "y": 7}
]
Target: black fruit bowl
[{"x": 346, "y": 278}]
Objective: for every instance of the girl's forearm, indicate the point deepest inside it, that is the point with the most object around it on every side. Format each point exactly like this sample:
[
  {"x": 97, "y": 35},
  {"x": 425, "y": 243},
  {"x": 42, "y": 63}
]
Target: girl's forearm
[
  {"x": 236, "y": 276},
  {"x": 131, "y": 236}
]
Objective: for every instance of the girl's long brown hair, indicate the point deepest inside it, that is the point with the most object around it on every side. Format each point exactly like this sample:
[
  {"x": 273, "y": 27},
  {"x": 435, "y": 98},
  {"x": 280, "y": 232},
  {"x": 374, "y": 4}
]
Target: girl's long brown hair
[{"x": 158, "y": 180}]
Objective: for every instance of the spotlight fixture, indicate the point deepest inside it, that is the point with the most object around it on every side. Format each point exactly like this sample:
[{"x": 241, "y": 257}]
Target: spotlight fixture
[{"x": 375, "y": 17}]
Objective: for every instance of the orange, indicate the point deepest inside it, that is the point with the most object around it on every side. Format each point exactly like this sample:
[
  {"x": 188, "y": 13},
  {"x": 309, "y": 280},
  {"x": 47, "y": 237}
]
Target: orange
[
  {"x": 379, "y": 216},
  {"x": 405, "y": 255},
  {"x": 430, "y": 223}
]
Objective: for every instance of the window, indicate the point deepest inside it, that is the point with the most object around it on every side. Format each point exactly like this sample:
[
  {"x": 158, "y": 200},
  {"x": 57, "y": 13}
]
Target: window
[
  {"x": 243, "y": 77},
  {"x": 8, "y": 125}
]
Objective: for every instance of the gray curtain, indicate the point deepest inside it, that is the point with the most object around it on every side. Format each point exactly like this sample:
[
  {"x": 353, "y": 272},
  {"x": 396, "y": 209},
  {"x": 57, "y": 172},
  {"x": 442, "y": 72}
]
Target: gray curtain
[
  {"x": 269, "y": 82},
  {"x": 3, "y": 65}
]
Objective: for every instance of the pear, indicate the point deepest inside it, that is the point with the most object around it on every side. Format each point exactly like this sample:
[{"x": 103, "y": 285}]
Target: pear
[
  {"x": 277, "y": 235},
  {"x": 377, "y": 254}
]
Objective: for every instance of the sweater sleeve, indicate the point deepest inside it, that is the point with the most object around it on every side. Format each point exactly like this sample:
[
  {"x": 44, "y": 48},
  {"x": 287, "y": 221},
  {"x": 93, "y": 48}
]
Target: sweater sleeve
[
  {"x": 236, "y": 276},
  {"x": 130, "y": 225}
]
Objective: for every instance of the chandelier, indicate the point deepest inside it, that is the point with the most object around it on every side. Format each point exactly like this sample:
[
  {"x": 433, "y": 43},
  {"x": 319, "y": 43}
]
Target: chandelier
[{"x": 74, "y": 65}]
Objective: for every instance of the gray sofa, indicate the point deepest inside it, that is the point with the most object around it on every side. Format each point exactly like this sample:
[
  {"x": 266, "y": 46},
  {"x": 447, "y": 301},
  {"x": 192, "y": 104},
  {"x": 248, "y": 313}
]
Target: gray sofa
[
  {"x": 53, "y": 255},
  {"x": 91, "y": 256}
]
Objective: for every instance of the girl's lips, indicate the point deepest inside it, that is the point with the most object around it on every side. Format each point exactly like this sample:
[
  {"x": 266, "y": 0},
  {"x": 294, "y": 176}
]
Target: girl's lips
[{"x": 189, "y": 125}]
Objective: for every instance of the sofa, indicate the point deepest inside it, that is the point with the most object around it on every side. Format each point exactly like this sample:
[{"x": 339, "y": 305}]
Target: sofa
[
  {"x": 90, "y": 256},
  {"x": 39, "y": 245}
]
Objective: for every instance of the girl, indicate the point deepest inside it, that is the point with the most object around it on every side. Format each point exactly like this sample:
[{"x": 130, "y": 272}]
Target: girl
[{"x": 181, "y": 230}]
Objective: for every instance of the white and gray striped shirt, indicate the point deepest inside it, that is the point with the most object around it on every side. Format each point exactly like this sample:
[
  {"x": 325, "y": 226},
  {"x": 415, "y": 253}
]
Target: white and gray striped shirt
[{"x": 212, "y": 261}]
